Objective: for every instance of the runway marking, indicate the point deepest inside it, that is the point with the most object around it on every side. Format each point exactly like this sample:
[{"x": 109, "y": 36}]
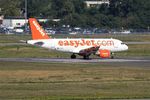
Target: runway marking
[{"x": 70, "y": 60}]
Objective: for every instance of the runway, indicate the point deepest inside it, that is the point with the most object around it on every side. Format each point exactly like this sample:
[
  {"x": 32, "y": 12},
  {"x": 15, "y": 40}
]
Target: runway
[{"x": 65, "y": 60}]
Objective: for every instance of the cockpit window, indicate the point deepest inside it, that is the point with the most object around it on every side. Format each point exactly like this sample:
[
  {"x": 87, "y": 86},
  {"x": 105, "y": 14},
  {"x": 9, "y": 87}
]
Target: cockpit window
[{"x": 123, "y": 43}]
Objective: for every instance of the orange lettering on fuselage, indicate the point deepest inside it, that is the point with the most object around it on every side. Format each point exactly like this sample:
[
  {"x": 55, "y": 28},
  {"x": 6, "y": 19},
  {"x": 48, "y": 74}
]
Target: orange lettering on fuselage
[{"x": 77, "y": 43}]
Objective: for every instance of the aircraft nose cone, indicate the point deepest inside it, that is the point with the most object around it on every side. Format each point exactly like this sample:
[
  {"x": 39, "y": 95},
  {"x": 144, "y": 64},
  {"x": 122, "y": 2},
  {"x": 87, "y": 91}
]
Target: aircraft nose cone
[{"x": 126, "y": 47}]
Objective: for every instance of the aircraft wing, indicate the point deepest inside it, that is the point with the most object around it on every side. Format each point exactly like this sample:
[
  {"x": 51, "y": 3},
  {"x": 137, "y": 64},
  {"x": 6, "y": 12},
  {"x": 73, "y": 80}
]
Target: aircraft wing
[{"x": 88, "y": 51}]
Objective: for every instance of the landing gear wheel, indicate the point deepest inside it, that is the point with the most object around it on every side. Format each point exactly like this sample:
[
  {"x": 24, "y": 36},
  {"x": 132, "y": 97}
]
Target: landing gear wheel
[
  {"x": 85, "y": 57},
  {"x": 73, "y": 56},
  {"x": 112, "y": 57}
]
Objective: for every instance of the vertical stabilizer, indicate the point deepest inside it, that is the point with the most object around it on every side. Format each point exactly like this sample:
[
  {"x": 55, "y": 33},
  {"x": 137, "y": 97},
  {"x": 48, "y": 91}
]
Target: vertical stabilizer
[{"x": 36, "y": 30}]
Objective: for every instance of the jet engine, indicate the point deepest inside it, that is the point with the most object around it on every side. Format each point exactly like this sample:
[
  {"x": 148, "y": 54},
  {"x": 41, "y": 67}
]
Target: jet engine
[{"x": 104, "y": 53}]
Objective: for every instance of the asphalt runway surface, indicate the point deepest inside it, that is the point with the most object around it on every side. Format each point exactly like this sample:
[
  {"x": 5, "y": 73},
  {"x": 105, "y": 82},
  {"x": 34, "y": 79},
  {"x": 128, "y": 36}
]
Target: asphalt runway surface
[{"x": 67, "y": 60}]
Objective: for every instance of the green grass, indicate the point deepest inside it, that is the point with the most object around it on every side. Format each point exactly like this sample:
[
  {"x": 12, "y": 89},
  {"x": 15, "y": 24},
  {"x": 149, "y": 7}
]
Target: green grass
[
  {"x": 91, "y": 81},
  {"x": 36, "y": 52},
  {"x": 125, "y": 38},
  {"x": 13, "y": 38},
  {"x": 31, "y": 51},
  {"x": 19, "y": 80}
]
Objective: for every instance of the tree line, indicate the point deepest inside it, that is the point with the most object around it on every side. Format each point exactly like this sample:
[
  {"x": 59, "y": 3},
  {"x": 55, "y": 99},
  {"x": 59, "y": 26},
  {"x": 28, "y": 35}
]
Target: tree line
[{"x": 119, "y": 13}]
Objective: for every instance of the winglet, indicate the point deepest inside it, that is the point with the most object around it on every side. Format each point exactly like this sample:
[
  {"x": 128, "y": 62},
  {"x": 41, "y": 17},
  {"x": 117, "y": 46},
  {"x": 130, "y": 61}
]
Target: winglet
[{"x": 36, "y": 30}]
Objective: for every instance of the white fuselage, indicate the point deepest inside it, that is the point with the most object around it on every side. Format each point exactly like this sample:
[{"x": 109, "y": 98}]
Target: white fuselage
[{"x": 75, "y": 45}]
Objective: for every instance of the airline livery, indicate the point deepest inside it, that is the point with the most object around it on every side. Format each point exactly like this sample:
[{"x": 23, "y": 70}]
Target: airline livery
[{"x": 103, "y": 48}]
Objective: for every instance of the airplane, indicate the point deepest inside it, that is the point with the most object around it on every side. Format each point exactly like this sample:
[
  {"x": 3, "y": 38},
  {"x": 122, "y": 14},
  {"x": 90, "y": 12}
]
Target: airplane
[{"x": 103, "y": 47}]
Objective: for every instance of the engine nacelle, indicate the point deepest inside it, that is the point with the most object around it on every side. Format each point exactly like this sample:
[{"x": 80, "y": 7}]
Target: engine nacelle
[{"x": 104, "y": 53}]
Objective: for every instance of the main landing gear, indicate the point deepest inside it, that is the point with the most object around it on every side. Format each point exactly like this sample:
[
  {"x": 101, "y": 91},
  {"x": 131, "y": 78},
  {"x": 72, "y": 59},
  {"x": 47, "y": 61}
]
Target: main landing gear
[
  {"x": 85, "y": 57},
  {"x": 112, "y": 56},
  {"x": 73, "y": 56}
]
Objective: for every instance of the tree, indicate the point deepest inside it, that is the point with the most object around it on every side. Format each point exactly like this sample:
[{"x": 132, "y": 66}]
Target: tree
[
  {"x": 79, "y": 6},
  {"x": 10, "y": 7},
  {"x": 120, "y": 13},
  {"x": 62, "y": 8},
  {"x": 39, "y": 8}
]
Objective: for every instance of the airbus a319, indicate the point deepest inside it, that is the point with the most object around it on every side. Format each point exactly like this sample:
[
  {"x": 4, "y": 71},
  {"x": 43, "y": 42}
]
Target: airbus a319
[{"x": 102, "y": 47}]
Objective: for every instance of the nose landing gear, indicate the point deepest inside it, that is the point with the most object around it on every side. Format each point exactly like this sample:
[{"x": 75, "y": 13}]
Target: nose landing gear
[
  {"x": 112, "y": 56},
  {"x": 85, "y": 57},
  {"x": 73, "y": 56}
]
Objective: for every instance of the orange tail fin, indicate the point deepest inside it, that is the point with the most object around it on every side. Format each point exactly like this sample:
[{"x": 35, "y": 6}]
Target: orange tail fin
[{"x": 36, "y": 30}]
